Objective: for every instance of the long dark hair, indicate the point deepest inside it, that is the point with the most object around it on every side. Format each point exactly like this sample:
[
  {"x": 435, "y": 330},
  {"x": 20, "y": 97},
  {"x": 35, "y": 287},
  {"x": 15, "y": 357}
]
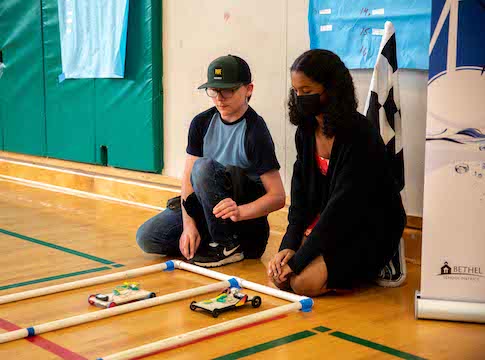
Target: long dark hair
[{"x": 326, "y": 68}]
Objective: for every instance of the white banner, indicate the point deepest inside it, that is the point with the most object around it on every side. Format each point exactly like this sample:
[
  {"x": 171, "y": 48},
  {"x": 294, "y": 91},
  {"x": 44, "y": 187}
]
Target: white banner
[
  {"x": 93, "y": 38},
  {"x": 453, "y": 258}
]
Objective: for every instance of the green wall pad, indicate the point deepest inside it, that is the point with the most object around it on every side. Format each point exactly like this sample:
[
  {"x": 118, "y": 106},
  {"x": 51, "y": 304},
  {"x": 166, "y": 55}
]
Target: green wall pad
[
  {"x": 22, "y": 118},
  {"x": 128, "y": 111},
  {"x": 115, "y": 122},
  {"x": 70, "y": 105}
]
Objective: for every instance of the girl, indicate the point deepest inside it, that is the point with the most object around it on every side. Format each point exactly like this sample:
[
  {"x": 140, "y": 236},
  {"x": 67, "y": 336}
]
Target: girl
[{"x": 346, "y": 216}]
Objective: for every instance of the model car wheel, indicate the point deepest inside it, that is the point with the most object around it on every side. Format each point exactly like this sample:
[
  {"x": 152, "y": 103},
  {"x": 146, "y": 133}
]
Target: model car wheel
[
  {"x": 152, "y": 295},
  {"x": 111, "y": 304},
  {"x": 256, "y": 302},
  {"x": 192, "y": 306},
  {"x": 215, "y": 313}
]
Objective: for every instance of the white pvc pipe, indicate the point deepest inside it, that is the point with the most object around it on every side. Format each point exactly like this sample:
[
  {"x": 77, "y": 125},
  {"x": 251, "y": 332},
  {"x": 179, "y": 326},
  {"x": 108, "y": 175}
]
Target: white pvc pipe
[
  {"x": 201, "y": 333},
  {"x": 102, "y": 314},
  {"x": 272, "y": 292},
  {"x": 243, "y": 283},
  {"x": 450, "y": 310},
  {"x": 82, "y": 283},
  {"x": 201, "y": 271},
  {"x": 144, "y": 271}
]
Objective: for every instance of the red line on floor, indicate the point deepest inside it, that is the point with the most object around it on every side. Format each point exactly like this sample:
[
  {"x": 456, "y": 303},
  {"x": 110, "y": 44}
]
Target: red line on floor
[
  {"x": 215, "y": 335},
  {"x": 45, "y": 344}
]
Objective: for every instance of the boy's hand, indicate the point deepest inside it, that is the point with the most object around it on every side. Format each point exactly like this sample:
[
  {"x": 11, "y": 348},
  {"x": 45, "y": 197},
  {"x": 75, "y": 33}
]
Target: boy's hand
[
  {"x": 189, "y": 241},
  {"x": 227, "y": 209}
]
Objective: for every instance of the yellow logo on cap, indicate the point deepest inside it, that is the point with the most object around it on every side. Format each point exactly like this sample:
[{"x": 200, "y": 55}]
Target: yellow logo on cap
[{"x": 218, "y": 74}]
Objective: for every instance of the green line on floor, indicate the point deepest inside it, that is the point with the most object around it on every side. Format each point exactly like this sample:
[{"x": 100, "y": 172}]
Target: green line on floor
[
  {"x": 375, "y": 346},
  {"x": 322, "y": 329},
  {"x": 57, "y": 247},
  {"x": 268, "y": 345},
  {"x": 50, "y": 278}
]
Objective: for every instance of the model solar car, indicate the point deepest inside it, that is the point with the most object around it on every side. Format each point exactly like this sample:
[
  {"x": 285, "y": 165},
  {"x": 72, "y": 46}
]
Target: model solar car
[
  {"x": 126, "y": 293},
  {"x": 230, "y": 298}
]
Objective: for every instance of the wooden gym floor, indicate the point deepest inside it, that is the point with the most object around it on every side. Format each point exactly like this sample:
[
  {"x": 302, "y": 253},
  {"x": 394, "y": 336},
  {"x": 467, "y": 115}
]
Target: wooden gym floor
[{"x": 49, "y": 238}]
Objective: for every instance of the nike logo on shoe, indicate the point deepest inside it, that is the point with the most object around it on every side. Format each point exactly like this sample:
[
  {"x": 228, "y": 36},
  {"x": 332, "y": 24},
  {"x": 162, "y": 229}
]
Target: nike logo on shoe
[{"x": 227, "y": 253}]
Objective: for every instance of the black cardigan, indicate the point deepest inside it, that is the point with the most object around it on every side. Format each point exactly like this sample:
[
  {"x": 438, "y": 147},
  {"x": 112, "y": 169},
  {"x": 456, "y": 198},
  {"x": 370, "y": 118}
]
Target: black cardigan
[{"x": 361, "y": 212}]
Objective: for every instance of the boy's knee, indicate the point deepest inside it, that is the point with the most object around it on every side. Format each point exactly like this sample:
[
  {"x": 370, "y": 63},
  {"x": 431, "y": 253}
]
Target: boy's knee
[
  {"x": 203, "y": 170},
  {"x": 149, "y": 244},
  {"x": 143, "y": 239},
  {"x": 160, "y": 234}
]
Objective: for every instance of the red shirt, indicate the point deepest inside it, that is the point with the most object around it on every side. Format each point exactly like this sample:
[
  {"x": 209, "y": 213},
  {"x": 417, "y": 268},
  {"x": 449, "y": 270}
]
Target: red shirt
[{"x": 322, "y": 164}]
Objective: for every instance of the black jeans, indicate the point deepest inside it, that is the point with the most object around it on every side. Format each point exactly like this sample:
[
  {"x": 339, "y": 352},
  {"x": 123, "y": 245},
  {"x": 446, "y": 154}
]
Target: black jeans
[{"x": 212, "y": 182}]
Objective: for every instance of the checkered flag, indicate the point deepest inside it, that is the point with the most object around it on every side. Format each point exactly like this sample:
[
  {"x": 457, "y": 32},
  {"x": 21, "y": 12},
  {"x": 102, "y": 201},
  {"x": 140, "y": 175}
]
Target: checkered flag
[{"x": 383, "y": 107}]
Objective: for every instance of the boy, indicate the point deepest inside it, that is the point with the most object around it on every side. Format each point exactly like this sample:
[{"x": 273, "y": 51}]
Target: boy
[{"x": 230, "y": 183}]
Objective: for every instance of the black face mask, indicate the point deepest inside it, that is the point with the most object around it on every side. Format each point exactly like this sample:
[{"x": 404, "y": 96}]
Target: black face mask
[{"x": 309, "y": 105}]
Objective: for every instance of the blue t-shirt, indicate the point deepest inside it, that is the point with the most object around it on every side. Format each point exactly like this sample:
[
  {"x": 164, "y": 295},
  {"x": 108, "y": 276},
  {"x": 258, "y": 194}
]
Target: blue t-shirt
[{"x": 245, "y": 143}]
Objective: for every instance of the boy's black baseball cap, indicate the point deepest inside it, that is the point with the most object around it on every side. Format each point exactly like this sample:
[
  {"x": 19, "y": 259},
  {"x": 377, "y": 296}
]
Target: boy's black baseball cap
[{"x": 227, "y": 72}]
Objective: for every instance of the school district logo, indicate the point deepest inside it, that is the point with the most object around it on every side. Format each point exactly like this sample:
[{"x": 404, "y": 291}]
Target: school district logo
[
  {"x": 460, "y": 272},
  {"x": 445, "y": 269}
]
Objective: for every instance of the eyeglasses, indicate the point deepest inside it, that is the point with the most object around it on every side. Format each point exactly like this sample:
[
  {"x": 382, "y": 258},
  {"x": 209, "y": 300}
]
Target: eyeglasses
[{"x": 225, "y": 93}]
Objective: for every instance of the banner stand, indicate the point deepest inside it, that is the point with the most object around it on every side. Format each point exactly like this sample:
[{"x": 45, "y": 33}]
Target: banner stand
[{"x": 433, "y": 309}]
